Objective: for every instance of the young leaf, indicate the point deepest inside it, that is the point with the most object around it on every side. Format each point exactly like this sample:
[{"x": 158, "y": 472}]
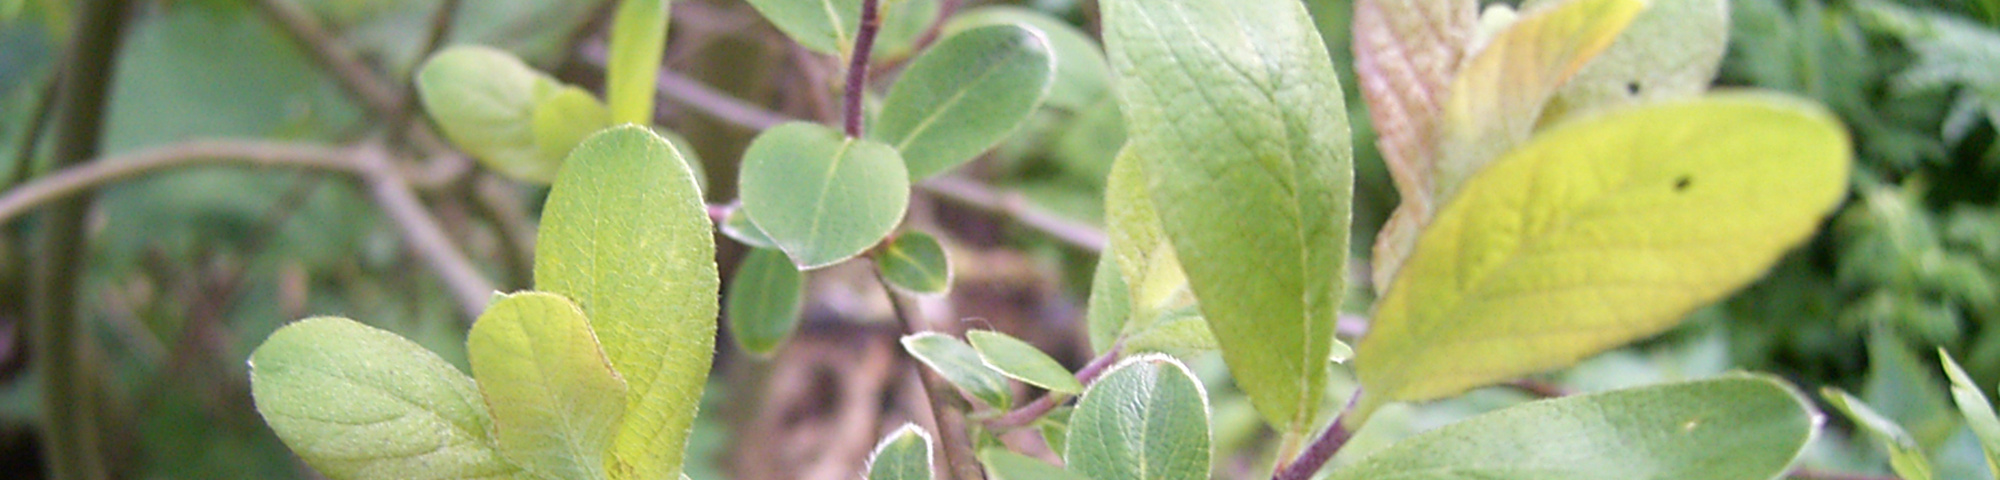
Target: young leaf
[
  {"x": 1146, "y": 419},
  {"x": 959, "y": 364},
  {"x": 1405, "y": 55},
  {"x": 903, "y": 455},
  {"x": 964, "y": 95},
  {"x": 1109, "y": 306},
  {"x": 564, "y": 119},
  {"x": 1002, "y": 464},
  {"x": 1977, "y": 409},
  {"x": 916, "y": 263},
  {"x": 1082, "y": 75},
  {"x": 556, "y": 401},
  {"x": 1600, "y": 233},
  {"x": 358, "y": 403},
  {"x": 822, "y": 197},
  {"x": 626, "y": 236},
  {"x": 638, "y": 39},
  {"x": 1731, "y": 428},
  {"x": 1236, "y": 111},
  {"x": 738, "y": 227},
  {"x": 1905, "y": 457},
  {"x": 1024, "y": 362},
  {"x": 1152, "y": 272},
  {"x": 1672, "y": 50},
  {"x": 485, "y": 101},
  {"x": 764, "y": 300},
  {"x": 1493, "y": 104}
]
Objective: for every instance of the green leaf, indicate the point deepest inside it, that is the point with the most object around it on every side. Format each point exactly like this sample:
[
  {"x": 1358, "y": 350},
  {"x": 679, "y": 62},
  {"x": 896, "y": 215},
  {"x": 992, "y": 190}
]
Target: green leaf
[
  {"x": 764, "y": 300},
  {"x": 564, "y": 119},
  {"x": 1905, "y": 457},
  {"x": 626, "y": 236},
  {"x": 1236, "y": 110},
  {"x": 915, "y": 262},
  {"x": 1732, "y": 428},
  {"x": 828, "y": 26},
  {"x": 822, "y": 197},
  {"x": 1182, "y": 331},
  {"x": 359, "y": 403},
  {"x": 638, "y": 39},
  {"x": 1021, "y": 361},
  {"x": 904, "y": 455},
  {"x": 556, "y": 401},
  {"x": 485, "y": 100},
  {"x": 1005, "y": 465},
  {"x": 1600, "y": 233},
  {"x": 1671, "y": 50},
  {"x": 1082, "y": 75},
  {"x": 688, "y": 156},
  {"x": 1109, "y": 306},
  {"x": 1152, "y": 272},
  {"x": 1145, "y": 419},
  {"x": 964, "y": 95},
  {"x": 738, "y": 227},
  {"x": 1977, "y": 408},
  {"x": 959, "y": 364}
]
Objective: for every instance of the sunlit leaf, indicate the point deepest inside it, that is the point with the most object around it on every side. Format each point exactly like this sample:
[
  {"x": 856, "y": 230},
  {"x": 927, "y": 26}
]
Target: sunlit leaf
[
  {"x": 638, "y": 39},
  {"x": 821, "y": 196},
  {"x": 556, "y": 401},
  {"x": 564, "y": 119},
  {"x": 485, "y": 100},
  {"x": 1671, "y": 50}
]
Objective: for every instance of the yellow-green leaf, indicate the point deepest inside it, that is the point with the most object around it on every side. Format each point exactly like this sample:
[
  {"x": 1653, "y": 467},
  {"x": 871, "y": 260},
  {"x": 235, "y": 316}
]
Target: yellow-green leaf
[
  {"x": 638, "y": 39},
  {"x": 626, "y": 236},
  {"x": 1672, "y": 50},
  {"x": 485, "y": 100},
  {"x": 1494, "y": 102},
  {"x": 564, "y": 119},
  {"x": 1977, "y": 409},
  {"x": 1406, "y": 53},
  {"x": 1599, "y": 233},
  {"x": 556, "y": 401},
  {"x": 1237, "y": 113},
  {"x": 359, "y": 403}
]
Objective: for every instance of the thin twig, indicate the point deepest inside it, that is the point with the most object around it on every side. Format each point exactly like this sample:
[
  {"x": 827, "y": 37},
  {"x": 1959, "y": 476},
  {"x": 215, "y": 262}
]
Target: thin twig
[
  {"x": 1027, "y": 414},
  {"x": 426, "y": 238},
  {"x": 495, "y": 200},
  {"x": 857, "y": 67},
  {"x": 946, "y": 408},
  {"x": 24, "y": 158},
  {"x": 703, "y": 98},
  {"x": 1321, "y": 450},
  {"x": 381, "y": 97},
  {"x": 70, "y": 403},
  {"x": 977, "y": 195}
]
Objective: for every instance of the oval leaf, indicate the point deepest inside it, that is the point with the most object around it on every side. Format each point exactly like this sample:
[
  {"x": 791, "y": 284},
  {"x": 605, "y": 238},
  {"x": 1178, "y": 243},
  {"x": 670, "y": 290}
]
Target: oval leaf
[
  {"x": 485, "y": 101},
  {"x": 738, "y": 227},
  {"x": 359, "y": 403},
  {"x": 764, "y": 300},
  {"x": 1146, "y": 419},
  {"x": 959, "y": 364},
  {"x": 626, "y": 236},
  {"x": 964, "y": 95},
  {"x": 1673, "y": 49},
  {"x": 1005, "y": 465},
  {"x": 556, "y": 401},
  {"x": 1905, "y": 456},
  {"x": 564, "y": 119},
  {"x": 1082, "y": 75},
  {"x": 638, "y": 40},
  {"x": 1977, "y": 409},
  {"x": 1724, "y": 429},
  {"x": 916, "y": 263},
  {"x": 1600, "y": 233},
  {"x": 903, "y": 455},
  {"x": 822, "y": 197},
  {"x": 1024, "y": 362},
  {"x": 1236, "y": 110},
  {"x": 1110, "y": 305}
]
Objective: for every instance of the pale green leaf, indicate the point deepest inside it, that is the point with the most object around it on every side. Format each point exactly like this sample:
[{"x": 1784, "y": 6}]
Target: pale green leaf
[
  {"x": 903, "y": 455},
  {"x": 1082, "y": 75},
  {"x": 821, "y": 196},
  {"x": 1021, "y": 361},
  {"x": 1002, "y": 464},
  {"x": 556, "y": 401},
  {"x": 564, "y": 119},
  {"x": 359, "y": 403},
  {"x": 1493, "y": 104},
  {"x": 1600, "y": 233},
  {"x": 959, "y": 364},
  {"x": 485, "y": 100},
  {"x": 1152, "y": 272},
  {"x": 1671, "y": 50},
  {"x": 1237, "y": 113},
  {"x": 638, "y": 39},
  {"x": 626, "y": 236},
  {"x": 828, "y": 26},
  {"x": 1977, "y": 408},
  {"x": 915, "y": 262},
  {"x": 964, "y": 95},
  {"x": 764, "y": 299},
  {"x": 1145, "y": 419},
  {"x": 1905, "y": 456},
  {"x": 1109, "y": 306},
  {"x": 688, "y": 155},
  {"x": 1180, "y": 331},
  {"x": 738, "y": 227},
  {"x": 1732, "y": 428}
]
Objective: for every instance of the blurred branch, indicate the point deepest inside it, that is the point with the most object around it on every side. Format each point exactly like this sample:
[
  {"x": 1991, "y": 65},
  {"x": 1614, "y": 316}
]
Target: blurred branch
[
  {"x": 946, "y": 409},
  {"x": 24, "y": 159},
  {"x": 980, "y": 196},
  {"x": 385, "y": 185},
  {"x": 700, "y": 96},
  {"x": 381, "y": 97},
  {"x": 70, "y": 394}
]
